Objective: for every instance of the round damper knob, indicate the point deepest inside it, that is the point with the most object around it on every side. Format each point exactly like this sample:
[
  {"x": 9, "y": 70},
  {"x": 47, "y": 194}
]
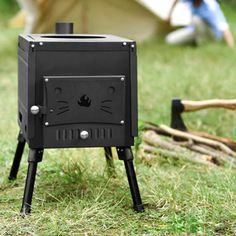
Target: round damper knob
[{"x": 84, "y": 134}]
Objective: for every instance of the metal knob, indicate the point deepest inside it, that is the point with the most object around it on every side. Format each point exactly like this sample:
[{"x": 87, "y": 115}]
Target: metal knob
[
  {"x": 84, "y": 134},
  {"x": 34, "y": 110}
]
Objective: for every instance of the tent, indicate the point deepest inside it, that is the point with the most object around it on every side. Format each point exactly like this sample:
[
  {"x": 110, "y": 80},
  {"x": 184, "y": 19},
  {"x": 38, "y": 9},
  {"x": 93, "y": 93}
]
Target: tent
[{"x": 136, "y": 19}]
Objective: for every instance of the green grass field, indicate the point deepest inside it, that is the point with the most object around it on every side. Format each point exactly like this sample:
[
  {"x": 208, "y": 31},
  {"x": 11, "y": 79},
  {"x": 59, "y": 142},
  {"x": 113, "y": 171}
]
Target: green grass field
[{"x": 73, "y": 194}]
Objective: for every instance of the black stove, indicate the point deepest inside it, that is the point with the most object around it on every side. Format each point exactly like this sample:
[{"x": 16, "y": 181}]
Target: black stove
[{"x": 76, "y": 91}]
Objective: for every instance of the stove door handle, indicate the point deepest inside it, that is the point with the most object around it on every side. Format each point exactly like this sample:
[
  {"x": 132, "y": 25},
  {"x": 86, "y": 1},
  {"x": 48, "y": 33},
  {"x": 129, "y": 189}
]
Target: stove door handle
[{"x": 38, "y": 110}]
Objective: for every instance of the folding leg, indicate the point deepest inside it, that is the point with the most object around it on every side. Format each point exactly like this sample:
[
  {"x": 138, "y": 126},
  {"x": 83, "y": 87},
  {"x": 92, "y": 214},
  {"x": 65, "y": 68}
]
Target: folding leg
[
  {"x": 17, "y": 157},
  {"x": 110, "y": 162},
  {"x": 125, "y": 154},
  {"x": 35, "y": 156}
]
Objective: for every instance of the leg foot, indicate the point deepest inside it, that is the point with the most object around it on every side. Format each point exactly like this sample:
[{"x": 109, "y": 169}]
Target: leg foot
[
  {"x": 110, "y": 163},
  {"x": 17, "y": 157},
  {"x": 125, "y": 154},
  {"x": 35, "y": 156}
]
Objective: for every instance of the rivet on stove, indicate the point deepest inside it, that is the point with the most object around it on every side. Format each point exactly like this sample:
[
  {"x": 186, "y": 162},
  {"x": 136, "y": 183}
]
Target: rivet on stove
[
  {"x": 122, "y": 78},
  {"x": 46, "y": 123},
  {"x": 122, "y": 122},
  {"x": 124, "y": 43},
  {"x": 41, "y": 43},
  {"x": 46, "y": 80},
  {"x": 32, "y": 45}
]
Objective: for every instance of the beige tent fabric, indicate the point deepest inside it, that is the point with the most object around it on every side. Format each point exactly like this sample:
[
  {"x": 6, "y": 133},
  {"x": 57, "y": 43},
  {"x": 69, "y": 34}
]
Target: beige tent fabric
[
  {"x": 126, "y": 18},
  {"x": 136, "y": 19},
  {"x": 181, "y": 16}
]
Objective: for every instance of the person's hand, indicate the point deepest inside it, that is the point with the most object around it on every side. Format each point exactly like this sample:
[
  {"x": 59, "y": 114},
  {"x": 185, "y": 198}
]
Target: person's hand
[
  {"x": 229, "y": 38},
  {"x": 168, "y": 20}
]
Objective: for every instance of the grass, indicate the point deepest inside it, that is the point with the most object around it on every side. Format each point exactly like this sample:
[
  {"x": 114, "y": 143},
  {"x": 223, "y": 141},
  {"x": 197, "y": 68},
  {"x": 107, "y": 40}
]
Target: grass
[
  {"x": 74, "y": 196},
  {"x": 7, "y": 9}
]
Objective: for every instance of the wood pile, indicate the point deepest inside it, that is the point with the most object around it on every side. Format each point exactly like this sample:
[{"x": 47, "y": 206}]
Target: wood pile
[{"x": 161, "y": 140}]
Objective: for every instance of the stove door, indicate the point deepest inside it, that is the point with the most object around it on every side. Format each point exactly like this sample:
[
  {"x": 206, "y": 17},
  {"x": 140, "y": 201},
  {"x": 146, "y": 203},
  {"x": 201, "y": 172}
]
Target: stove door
[{"x": 84, "y": 99}]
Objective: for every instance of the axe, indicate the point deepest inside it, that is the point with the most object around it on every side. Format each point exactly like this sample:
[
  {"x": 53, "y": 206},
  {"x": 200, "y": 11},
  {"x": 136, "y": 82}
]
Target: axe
[{"x": 179, "y": 106}]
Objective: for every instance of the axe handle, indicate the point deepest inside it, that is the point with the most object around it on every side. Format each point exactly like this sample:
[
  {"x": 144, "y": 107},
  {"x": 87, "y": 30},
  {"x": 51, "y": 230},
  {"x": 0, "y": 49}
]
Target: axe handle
[{"x": 215, "y": 103}]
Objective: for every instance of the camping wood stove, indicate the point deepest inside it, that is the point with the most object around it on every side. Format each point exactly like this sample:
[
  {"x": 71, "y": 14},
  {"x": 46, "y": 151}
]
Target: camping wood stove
[{"x": 76, "y": 91}]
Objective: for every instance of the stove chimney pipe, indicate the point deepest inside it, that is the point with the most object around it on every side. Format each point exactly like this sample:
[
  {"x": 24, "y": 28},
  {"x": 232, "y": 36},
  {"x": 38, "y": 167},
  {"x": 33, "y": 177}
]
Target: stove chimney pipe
[{"x": 64, "y": 28}]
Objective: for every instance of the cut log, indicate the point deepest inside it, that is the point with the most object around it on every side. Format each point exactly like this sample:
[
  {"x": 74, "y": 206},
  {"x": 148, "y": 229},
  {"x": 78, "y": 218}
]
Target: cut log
[
  {"x": 149, "y": 153},
  {"x": 156, "y": 128},
  {"x": 228, "y": 142},
  {"x": 197, "y": 139}
]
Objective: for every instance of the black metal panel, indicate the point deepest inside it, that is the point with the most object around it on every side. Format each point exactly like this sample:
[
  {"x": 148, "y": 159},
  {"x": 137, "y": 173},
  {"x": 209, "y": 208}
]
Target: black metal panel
[
  {"x": 32, "y": 88},
  {"x": 23, "y": 90},
  {"x": 84, "y": 99},
  {"x": 134, "y": 90},
  {"x": 77, "y": 38},
  {"x": 100, "y": 135}
]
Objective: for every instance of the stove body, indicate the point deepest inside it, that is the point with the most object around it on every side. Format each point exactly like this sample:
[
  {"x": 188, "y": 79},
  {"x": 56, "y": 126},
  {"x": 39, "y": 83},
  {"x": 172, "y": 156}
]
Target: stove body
[{"x": 77, "y": 90}]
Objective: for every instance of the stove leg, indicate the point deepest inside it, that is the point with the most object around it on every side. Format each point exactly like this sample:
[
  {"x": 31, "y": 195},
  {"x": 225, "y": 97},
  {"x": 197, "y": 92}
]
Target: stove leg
[
  {"x": 110, "y": 163},
  {"x": 17, "y": 157},
  {"x": 125, "y": 154},
  {"x": 35, "y": 156}
]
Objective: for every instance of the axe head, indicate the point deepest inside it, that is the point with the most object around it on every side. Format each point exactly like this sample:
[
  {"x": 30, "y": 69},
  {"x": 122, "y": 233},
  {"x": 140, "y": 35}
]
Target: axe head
[{"x": 176, "y": 120}]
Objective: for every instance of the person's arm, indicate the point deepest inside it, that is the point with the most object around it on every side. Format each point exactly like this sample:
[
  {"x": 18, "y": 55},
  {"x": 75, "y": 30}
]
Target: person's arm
[
  {"x": 31, "y": 7},
  {"x": 171, "y": 11},
  {"x": 228, "y": 37},
  {"x": 220, "y": 26}
]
